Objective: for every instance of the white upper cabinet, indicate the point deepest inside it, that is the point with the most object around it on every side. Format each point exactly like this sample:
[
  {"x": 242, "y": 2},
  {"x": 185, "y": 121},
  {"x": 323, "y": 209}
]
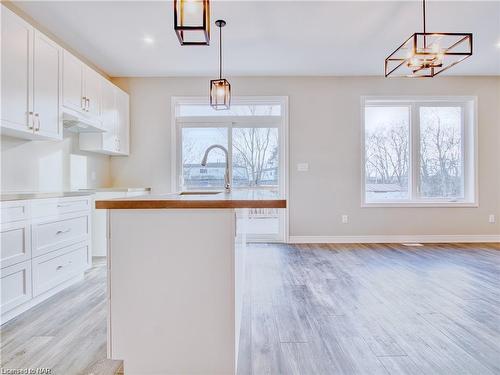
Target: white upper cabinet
[
  {"x": 40, "y": 81},
  {"x": 47, "y": 87},
  {"x": 115, "y": 120},
  {"x": 31, "y": 79},
  {"x": 17, "y": 75},
  {"x": 73, "y": 96},
  {"x": 123, "y": 121},
  {"x": 108, "y": 116},
  {"x": 92, "y": 87},
  {"x": 81, "y": 86}
]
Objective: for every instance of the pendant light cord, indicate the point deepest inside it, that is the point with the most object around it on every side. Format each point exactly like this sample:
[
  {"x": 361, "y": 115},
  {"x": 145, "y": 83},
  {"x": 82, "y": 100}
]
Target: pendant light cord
[
  {"x": 423, "y": 8},
  {"x": 423, "y": 11},
  {"x": 220, "y": 52}
]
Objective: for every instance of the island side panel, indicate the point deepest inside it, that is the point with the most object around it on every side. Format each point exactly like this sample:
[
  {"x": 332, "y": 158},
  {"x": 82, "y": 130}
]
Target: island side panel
[
  {"x": 240, "y": 250},
  {"x": 172, "y": 291}
]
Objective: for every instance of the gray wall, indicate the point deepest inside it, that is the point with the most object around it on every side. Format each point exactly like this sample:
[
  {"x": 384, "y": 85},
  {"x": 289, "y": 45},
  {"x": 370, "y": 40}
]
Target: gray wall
[{"x": 325, "y": 132}]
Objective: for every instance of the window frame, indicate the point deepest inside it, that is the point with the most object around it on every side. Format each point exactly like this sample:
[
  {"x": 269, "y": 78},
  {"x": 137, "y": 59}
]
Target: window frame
[
  {"x": 239, "y": 121},
  {"x": 469, "y": 150}
]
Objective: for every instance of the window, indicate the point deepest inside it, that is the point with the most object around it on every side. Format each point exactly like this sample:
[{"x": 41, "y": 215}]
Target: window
[
  {"x": 419, "y": 152},
  {"x": 254, "y": 132},
  {"x": 255, "y": 157},
  {"x": 195, "y": 140}
]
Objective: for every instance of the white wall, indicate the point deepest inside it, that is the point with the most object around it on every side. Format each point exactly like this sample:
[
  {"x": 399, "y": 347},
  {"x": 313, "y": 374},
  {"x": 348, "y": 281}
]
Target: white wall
[
  {"x": 50, "y": 166},
  {"x": 325, "y": 132}
]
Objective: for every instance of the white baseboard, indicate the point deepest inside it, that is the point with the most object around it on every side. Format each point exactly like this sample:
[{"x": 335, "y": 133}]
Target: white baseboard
[{"x": 428, "y": 238}]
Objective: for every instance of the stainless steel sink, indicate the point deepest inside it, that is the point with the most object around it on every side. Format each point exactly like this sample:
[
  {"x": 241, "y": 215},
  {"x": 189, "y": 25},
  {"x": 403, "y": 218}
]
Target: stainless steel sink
[{"x": 199, "y": 192}]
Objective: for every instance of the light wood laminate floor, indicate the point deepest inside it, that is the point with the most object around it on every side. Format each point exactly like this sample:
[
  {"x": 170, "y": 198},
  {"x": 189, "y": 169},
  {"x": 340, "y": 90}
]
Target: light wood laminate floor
[
  {"x": 372, "y": 309},
  {"x": 66, "y": 333},
  {"x": 313, "y": 309}
]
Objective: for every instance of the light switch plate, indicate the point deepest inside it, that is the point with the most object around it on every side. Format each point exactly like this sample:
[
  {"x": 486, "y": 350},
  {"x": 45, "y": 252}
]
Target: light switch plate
[{"x": 303, "y": 167}]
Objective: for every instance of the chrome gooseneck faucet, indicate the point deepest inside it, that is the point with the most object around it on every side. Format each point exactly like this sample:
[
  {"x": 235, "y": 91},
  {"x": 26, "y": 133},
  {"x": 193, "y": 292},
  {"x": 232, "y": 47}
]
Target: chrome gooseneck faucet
[{"x": 227, "y": 185}]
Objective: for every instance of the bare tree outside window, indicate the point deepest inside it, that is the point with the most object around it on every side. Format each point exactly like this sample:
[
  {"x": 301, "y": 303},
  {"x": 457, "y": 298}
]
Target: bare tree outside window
[
  {"x": 256, "y": 149},
  {"x": 441, "y": 164},
  {"x": 387, "y": 152}
]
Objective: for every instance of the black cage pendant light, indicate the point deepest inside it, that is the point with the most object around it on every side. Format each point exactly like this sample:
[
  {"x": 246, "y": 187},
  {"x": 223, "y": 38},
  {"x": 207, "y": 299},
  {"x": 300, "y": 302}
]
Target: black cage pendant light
[
  {"x": 428, "y": 54},
  {"x": 220, "y": 89},
  {"x": 192, "y": 22}
]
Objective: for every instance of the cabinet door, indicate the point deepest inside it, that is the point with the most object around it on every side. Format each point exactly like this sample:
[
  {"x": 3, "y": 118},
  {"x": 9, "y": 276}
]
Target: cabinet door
[
  {"x": 109, "y": 116},
  {"x": 16, "y": 73},
  {"x": 122, "y": 105},
  {"x": 46, "y": 86},
  {"x": 93, "y": 91},
  {"x": 15, "y": 284},
  {"x": 72, "y": 82},
  {"x": 15, "y": 240}
]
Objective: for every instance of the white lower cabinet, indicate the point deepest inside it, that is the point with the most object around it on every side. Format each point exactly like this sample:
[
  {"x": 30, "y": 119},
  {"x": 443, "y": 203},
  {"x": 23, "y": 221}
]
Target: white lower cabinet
[
  {"x": 45, "y": 247},
  {"x": 15, "y": 240},
  {"x": 54, "y": 234},
  {"x": 52, "y": 269},
  {"x": 16, "y": 286}
]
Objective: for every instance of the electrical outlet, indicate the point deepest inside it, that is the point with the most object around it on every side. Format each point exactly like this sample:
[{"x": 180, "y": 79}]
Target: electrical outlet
[
  {"x": 345, "y": 219},
  {"x": 303, "y": 167},
  {"x": 492, "y": 219}
]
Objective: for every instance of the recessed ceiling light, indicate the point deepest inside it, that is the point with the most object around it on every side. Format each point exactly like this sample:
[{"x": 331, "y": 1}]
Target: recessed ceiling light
[{"x": 148, "y": 40}]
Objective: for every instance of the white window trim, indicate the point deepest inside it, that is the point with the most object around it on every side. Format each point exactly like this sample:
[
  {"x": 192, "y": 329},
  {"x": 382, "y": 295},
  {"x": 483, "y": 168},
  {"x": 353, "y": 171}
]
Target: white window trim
[
  {"x": 472, "y": 200},
  {"x": 282, "y": 120}
]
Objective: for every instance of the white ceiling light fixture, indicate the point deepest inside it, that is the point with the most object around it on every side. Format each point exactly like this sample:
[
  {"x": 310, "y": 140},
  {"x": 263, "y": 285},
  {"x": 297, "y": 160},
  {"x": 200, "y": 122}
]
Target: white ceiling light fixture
[{"x": 148, "y": 40}]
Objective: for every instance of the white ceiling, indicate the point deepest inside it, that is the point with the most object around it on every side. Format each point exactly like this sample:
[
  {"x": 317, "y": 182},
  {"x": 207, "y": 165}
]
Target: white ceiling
[{"x": 266, "y": 37}]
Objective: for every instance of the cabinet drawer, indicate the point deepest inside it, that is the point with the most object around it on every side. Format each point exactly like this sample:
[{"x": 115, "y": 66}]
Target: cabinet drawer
[
  {"x": 52, "y": 269},
  {"x": 14, "y": 211},
  {"x": 59, "y": 206},
  {"x": 16, "y": 285},
  {"x": 52, "y": 235},
  {"x": 15, "y": 242}
]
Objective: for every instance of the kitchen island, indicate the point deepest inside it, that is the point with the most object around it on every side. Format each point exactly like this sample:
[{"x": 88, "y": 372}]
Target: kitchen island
[{"x": 175, "y": 279}]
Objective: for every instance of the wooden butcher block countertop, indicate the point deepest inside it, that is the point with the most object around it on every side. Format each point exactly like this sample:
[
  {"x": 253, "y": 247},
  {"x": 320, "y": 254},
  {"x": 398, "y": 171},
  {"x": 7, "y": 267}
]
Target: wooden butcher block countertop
[{"x": 245, "y": 198}]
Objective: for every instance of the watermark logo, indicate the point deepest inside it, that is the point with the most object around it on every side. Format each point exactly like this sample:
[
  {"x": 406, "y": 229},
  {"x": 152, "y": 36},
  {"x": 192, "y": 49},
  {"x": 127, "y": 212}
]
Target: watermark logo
[{"x": 26, "y": 371}]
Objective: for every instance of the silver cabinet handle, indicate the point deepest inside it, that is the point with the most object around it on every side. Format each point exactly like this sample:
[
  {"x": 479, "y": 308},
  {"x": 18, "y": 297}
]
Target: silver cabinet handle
[
  {"x": 31, "y": 120},
  {"x": 83, "y": 103},
  {"x": 63, "y": 231},
  {"x": 37, "y": 117},
  {"x": 88, "y": 105}
]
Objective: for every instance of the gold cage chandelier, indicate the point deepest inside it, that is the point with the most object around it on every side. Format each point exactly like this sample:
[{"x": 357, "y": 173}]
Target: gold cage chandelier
[{"x": 428, "y": 54}]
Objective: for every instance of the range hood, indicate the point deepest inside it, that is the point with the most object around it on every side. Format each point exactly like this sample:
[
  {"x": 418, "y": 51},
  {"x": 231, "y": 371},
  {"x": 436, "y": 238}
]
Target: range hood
[{"x": 77, "y": 123}]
